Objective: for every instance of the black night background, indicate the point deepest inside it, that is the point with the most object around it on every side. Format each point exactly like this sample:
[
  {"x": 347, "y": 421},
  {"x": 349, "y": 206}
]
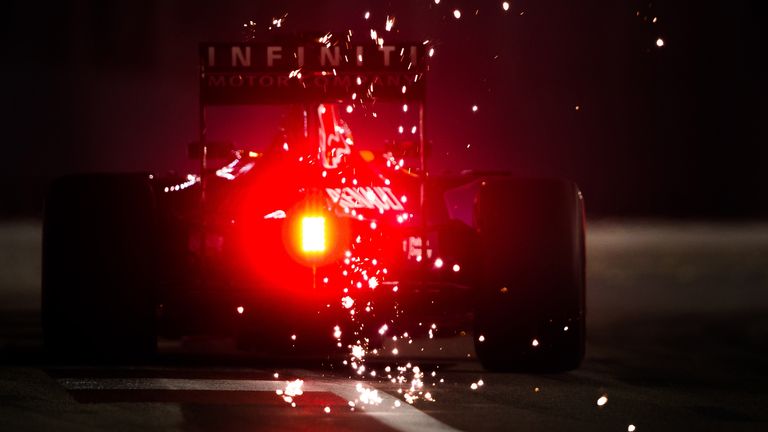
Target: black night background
[{"x": 565, "y": 88}]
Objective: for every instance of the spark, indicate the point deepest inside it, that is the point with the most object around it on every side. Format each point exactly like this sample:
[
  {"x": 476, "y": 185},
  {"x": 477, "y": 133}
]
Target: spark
[
  {"x": 631, "y": 428},
  {"x": 293, "y": 389},
  {"x": 390, "y": 22},
  {"x": 413, "y": 130},
  {"x": 535, "y": 342},
  {"x": 437, "y": 1},
  {"x": 347, "y": 302},
  {"x": 405, "y": 107},
  {"x": 358, "y": 351},
  {"x": 505, "y": 6},
  {"x": 473, "y": 386},
  {"x": 438, "y": 263},
  {"x": 400, "y": 129},
  {"x": 431, "y": 52},
  {"x": 240, "y": 310},
  {"x": 659, "y": 42},
  {"x": 395, "y": 351},
  {"x": 337, "y": 332},
  {"x": 367, "y": 395},
  {"x": 349, "y": 109},
  {"x": 373, "y": 283},
  {"x": 481, "y": 338},
  {"x": 367, "y": 15},
  {"x": 457, "y": 13},
  {"x": 293, "y": 337},
  {"x": 565, "y": 328},
  {"x": 602, "y": 400},
  {"x": 474, "y": 108},
  {"x": 456, "y": 268},
  {"x": 327, "y": 410},
  {"x": 278, "y": 22}
]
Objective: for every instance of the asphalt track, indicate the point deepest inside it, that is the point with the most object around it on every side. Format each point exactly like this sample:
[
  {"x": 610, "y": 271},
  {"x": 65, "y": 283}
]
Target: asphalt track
[{"x": 678, "y": 331}]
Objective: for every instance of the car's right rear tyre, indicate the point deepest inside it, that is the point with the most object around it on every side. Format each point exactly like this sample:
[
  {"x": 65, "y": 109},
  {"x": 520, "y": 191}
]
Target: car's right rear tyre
[{"x": 530, "y": 312}]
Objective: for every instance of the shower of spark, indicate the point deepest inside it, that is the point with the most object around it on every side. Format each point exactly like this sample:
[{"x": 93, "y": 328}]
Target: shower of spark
[{"x": 292, "y": 390}]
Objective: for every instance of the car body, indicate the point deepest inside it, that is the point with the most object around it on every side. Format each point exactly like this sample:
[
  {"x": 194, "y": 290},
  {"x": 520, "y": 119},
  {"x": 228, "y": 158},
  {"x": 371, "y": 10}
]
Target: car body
[{"x": 315, "y": 232}]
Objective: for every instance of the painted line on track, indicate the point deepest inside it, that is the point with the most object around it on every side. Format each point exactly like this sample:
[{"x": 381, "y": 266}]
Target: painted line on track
[{"x": 405, "y": 418}]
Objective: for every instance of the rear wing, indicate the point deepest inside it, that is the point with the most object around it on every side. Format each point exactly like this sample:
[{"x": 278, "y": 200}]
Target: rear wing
[
  {"x": 311, "y": 71},
  {"x": 286, "y": 73}
]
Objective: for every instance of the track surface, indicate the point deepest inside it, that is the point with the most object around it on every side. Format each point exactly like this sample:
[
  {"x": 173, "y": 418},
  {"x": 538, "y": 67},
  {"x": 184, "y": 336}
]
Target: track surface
[{"x": 678, "y": 324}]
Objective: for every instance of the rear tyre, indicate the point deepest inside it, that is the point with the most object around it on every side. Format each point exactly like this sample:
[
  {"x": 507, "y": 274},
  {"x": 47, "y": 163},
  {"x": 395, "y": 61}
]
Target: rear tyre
[
  {"x": 531, "y": 302},
  {"x": 99, "y": 238}
]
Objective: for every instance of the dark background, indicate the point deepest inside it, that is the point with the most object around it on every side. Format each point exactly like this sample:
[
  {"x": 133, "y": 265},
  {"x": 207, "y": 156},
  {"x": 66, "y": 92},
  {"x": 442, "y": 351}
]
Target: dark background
[{"x": 676, "y": 131}]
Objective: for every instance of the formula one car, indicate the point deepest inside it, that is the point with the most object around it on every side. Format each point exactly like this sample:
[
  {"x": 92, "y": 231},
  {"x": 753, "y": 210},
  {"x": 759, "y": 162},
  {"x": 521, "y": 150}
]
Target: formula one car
[{"x": 310, "y": 235}]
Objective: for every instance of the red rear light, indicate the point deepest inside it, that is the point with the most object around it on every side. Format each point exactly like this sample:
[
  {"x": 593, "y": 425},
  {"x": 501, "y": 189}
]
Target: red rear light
[{"x": 313, "y": 234}]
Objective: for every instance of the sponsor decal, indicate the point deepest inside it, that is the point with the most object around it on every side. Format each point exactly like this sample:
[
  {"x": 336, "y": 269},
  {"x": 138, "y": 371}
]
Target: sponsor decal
[
  {"x": 380, "y": 198},
  {"x": 255, "y": 56},
  {"x": 414, "y": 248},
  {"x": 236, "y": 73},
  {"x": 334, "y": 137}
]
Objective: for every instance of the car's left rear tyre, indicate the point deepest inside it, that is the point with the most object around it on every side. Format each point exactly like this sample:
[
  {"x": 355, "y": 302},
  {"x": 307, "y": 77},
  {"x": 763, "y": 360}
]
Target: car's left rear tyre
[{"x": 98, "y": 278}]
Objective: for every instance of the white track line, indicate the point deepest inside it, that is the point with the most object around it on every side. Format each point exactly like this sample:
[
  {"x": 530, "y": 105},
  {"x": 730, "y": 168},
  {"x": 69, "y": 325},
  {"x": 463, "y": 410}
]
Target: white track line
[
  {"x": 169, "y": 384},
  {"x": 405, "y": 418}
]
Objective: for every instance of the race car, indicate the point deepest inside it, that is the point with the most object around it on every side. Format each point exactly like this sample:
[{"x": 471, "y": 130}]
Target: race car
[{"x": 312, "y": 234}]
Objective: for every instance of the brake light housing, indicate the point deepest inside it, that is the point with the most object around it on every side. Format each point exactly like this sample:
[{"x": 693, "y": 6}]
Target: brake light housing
[{"x": 313, "y": 235}]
